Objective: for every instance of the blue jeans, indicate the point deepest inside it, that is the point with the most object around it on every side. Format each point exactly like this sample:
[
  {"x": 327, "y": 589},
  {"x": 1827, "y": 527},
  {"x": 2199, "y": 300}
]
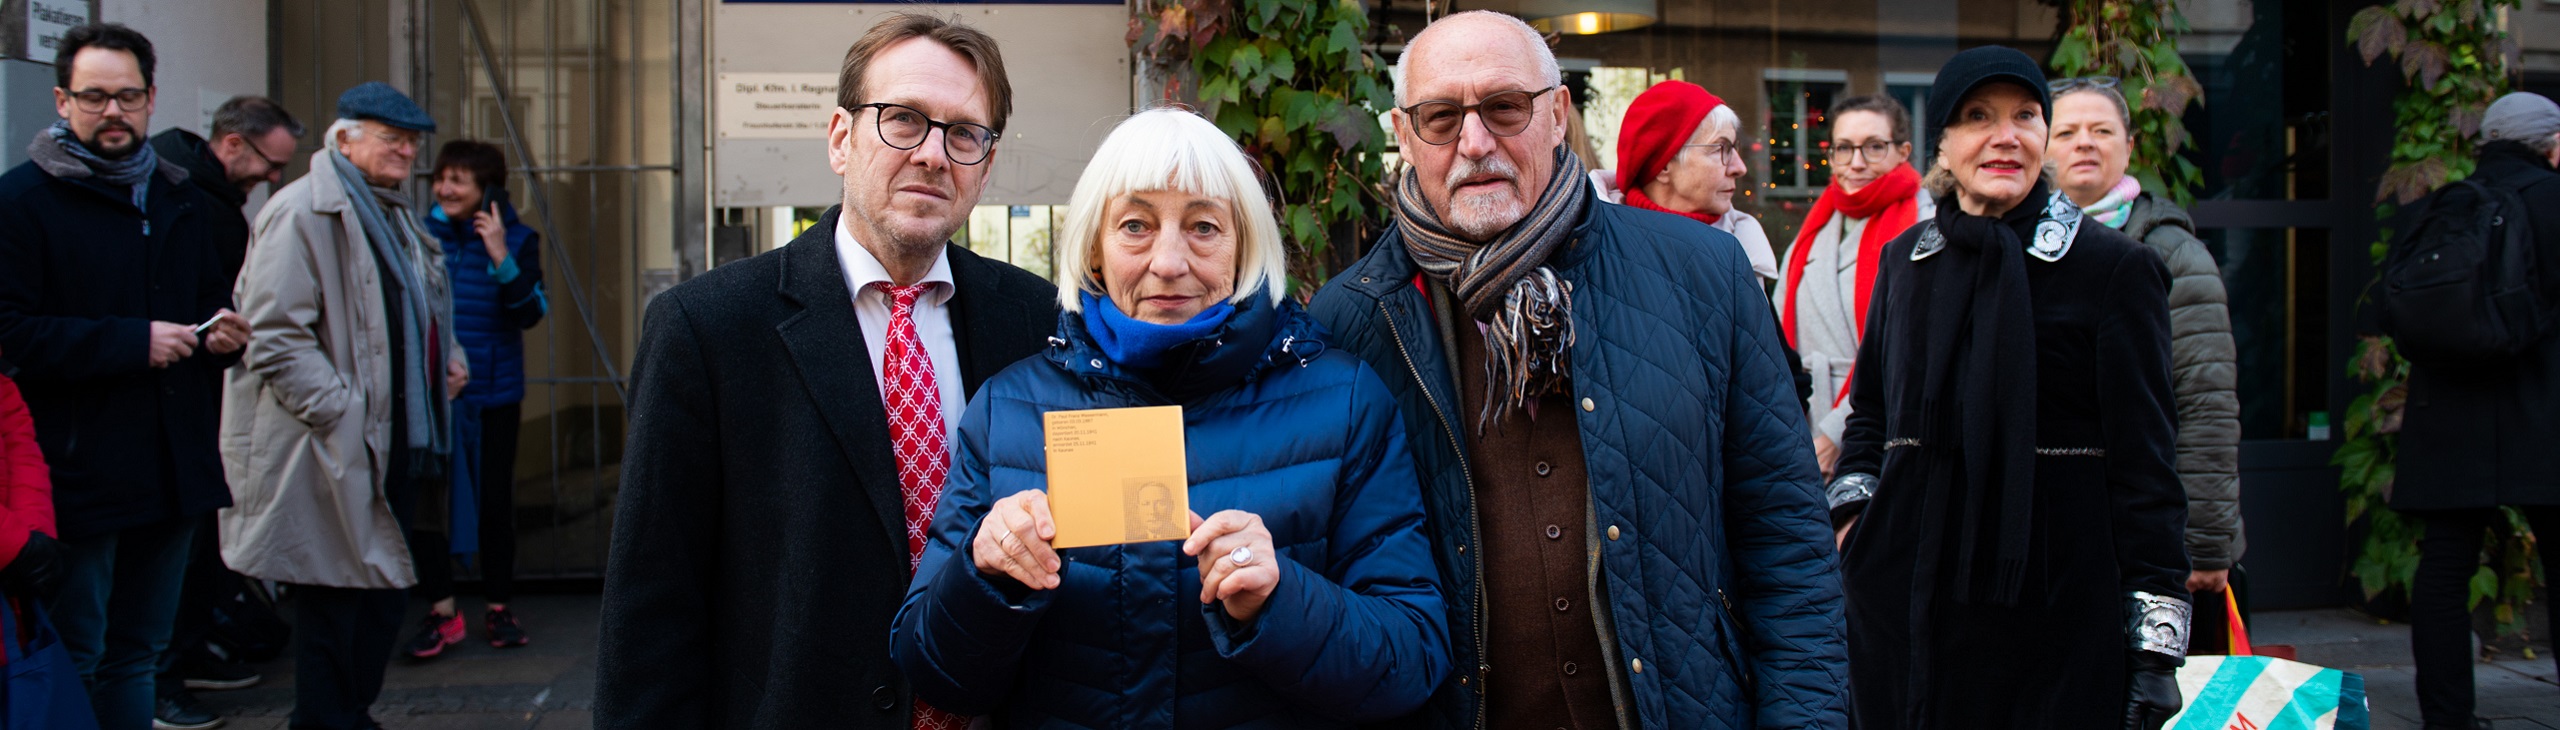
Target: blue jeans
[{"x": 119, "y": 600}]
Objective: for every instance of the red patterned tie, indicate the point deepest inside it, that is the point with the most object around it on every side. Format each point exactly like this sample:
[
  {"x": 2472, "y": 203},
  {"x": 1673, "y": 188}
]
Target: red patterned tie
[{"x": 914, "y": 400}]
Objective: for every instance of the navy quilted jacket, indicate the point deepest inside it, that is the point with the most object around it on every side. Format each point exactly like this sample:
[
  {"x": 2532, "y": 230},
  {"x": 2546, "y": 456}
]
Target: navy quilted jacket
[
  {"x": 1718, "y": 556},
  {"x": 490, "y": 316},
  {"x": 1306, "y": 438}
]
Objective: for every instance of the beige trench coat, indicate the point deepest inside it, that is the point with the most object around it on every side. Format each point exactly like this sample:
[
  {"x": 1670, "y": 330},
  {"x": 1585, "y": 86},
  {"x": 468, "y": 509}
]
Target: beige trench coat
[{"x": 306, "y": 422}]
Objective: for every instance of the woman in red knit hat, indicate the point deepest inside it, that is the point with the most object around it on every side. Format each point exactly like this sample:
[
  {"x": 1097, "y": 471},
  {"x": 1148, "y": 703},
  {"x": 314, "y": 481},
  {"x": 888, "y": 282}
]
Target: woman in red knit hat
[
  {"x": 1677, "y": 154},
  {"x": 1874, "y": 195}
]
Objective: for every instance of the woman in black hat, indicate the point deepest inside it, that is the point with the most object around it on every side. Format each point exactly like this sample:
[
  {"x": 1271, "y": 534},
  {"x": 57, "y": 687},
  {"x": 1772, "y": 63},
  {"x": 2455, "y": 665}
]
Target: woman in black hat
[{"x": 2014, "y": 554}]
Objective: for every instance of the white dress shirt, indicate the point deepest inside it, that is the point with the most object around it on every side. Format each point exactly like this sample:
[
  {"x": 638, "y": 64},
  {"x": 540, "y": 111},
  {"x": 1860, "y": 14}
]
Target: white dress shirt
[{"x": 933, "y": 323}]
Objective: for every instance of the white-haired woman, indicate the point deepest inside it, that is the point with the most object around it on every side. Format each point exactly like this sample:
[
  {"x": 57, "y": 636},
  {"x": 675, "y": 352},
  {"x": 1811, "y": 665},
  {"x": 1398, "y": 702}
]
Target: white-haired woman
[
  {"x": 1678, "y": 153},
  {"x": 1306, "y": 598}
]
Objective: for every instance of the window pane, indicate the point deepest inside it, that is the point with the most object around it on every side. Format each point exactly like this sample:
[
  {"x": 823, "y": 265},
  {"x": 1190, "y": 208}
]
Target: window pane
[
  {"x": 1796, "y": 131},
  {"x": 2277, "y": 279},
  {"x": 2265, "y": 134}
]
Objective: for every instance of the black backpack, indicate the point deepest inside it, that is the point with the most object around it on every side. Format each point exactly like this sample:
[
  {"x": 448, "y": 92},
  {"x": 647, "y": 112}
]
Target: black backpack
[{"x": 2460, "y": 286}]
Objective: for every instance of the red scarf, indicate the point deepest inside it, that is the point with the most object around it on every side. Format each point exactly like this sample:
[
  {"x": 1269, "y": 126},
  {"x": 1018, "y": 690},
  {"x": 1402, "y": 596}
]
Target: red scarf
[
  {"x": 1636, "y": 199},
  {"x": 1888, "y": 208}
]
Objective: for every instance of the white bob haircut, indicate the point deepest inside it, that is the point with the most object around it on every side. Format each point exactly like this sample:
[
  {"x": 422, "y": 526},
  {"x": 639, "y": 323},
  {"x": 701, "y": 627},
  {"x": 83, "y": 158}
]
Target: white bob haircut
[
  {"x": 1547, "y": 68},
  {"x": 1171, "y": 149}
]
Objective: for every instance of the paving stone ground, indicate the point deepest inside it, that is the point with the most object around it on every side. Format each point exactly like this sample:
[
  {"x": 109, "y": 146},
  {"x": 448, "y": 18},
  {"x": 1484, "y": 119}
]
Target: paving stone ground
[
  {"x": 2515, "y": 693},
  {"x": 546, "y": 685},
  {"x": 550, "y": 685}
]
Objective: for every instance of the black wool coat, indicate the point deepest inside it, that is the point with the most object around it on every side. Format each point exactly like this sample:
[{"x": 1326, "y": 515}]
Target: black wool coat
[
  {"x": 2110, "y": 515},
  {"x": 759, "y": 546},
  {"x": 227, "y": 225},
  {"x": 2484, "y": 434},
  {"x": 83, "y": 274}
]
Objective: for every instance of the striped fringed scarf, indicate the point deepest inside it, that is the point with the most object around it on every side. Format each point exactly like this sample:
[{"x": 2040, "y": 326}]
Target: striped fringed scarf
[{"x": 1507, "y": 283}]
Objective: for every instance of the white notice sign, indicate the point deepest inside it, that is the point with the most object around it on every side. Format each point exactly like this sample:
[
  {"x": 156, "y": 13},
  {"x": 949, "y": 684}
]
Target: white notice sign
[
  {"x": 47, "y": 20},
  {"x": 775, "y": 105}
]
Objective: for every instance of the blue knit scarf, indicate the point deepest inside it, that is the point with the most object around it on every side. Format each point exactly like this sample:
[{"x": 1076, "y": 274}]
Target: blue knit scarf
[{"x": 1141, "y": 345}]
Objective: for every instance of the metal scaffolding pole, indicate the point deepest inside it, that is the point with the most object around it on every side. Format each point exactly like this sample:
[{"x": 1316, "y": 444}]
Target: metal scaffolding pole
[{"x": 541, "y": 197}]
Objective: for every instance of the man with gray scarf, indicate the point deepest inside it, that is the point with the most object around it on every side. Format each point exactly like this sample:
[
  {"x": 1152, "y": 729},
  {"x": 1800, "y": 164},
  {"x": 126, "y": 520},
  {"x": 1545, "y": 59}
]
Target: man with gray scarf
[
  {"x": 343, "y": 403},
  {"x": 115, "y": 306},
  {"x": 1627, "y": 516}
]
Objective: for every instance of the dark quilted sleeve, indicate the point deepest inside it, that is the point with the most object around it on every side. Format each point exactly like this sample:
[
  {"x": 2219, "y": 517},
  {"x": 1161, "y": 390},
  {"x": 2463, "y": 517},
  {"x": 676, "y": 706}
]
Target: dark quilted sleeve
[{"x": 1786, "y": 569}]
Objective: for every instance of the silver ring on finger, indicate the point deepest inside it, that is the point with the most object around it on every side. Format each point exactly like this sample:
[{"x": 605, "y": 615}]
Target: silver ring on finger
[{"x": 1242, "y": 556}]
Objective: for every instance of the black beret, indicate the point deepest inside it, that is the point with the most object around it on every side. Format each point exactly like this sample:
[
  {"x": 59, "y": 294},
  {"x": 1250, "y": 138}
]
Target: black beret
[{"x": 1975, "y": 67}]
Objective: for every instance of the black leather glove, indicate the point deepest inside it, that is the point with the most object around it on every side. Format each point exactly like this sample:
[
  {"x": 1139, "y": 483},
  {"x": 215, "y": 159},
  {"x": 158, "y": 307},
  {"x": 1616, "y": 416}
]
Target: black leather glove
[
  {"x": 2157, "y": 626},
  {"x": 37, "y": 573},
  {"x": 2154, "y": 697}
]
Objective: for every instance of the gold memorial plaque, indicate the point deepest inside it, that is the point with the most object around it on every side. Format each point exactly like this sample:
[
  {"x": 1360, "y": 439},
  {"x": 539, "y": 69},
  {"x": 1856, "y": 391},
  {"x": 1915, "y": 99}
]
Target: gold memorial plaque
[{"x": 1117, "y": 475}]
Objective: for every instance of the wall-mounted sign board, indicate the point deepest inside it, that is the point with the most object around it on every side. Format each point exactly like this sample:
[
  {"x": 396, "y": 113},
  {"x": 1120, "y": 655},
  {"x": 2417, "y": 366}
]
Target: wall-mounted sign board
[{"x": 774, "y": 105}]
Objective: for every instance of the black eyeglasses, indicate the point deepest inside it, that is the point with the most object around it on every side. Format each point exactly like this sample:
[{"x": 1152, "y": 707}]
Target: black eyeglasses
[
  {"x": 904, "y": 127},
  {"x": 271, "y": 162},
  {"x": 1872, "y": 151},
  {"x": 1504, "y": 113},
  {"x": 95, "y": 100},
  {"x": 2076, "y": 82}
]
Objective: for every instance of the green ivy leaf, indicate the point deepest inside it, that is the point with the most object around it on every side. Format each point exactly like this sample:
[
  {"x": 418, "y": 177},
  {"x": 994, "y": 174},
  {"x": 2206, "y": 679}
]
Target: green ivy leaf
[
  {"x": 1342, "y": 39},
  {"x": 1278, "y": 62},
  {"x": 1246, "y": 61},
  {"x": 2071, "y": 54}
]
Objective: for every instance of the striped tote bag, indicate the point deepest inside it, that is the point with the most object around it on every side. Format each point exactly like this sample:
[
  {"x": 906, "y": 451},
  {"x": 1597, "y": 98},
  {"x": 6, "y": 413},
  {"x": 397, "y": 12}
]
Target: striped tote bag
[{"x": 2244, "y": 692}]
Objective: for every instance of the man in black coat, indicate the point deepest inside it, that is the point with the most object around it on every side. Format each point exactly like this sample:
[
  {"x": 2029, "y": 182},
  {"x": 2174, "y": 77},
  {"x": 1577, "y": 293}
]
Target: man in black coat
[
  {"x": 791, "y": 414},
  {"x": 2478, "y": 435},
  {"x": 253, "y": 138},
  {"x": 106, "y": 271}
]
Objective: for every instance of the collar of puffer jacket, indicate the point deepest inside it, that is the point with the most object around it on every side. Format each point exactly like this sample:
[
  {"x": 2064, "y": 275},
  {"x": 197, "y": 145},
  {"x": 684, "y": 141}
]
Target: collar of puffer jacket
[{"x": 1259, "y": 338}]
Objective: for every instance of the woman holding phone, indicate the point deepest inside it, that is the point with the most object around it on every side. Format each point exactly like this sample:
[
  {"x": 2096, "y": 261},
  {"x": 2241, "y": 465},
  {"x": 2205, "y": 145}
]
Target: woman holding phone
[{"x": 495, "y": 264}]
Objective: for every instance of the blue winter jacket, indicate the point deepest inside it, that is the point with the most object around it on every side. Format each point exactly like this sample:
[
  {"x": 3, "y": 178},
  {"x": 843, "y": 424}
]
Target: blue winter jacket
[
  {"x": 1277, "y": 425},
  {"x": 1709, "y": 532},
  {"x": 492, "y": 304}
]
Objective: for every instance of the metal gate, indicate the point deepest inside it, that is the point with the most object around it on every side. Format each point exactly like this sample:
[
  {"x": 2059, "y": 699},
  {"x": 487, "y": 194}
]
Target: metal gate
[{"x": 590, "y": 99}]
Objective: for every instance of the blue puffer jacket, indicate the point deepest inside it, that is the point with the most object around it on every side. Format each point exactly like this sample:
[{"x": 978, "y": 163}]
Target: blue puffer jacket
[
  {"x": 1276, "y": 425},
  {"x": 492, "y": 305},
  {"x": 1724, "y": 599}
]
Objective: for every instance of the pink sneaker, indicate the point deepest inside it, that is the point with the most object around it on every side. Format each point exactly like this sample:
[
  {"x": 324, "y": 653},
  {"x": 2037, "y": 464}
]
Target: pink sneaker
[{"x": 436, "y": 633}]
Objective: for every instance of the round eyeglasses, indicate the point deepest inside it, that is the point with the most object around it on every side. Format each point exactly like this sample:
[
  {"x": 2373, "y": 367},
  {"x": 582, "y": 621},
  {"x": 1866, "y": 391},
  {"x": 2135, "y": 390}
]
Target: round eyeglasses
[
  {"x": 1505, "y": 114},
  {"x": 904, "y": 127}
]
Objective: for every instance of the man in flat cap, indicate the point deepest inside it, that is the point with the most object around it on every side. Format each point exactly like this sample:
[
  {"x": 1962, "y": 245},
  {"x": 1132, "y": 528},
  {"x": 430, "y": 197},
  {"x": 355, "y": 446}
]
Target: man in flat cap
[
  {"x": 116, "y": 308},
  {"x": 343, "y": 404}
]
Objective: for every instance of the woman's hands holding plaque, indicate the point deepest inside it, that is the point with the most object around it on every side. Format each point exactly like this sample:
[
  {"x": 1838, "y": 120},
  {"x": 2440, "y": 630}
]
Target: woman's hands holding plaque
[
  {"x": 1237, "y": 562},
  {"x": 1013, "y": 541}
]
